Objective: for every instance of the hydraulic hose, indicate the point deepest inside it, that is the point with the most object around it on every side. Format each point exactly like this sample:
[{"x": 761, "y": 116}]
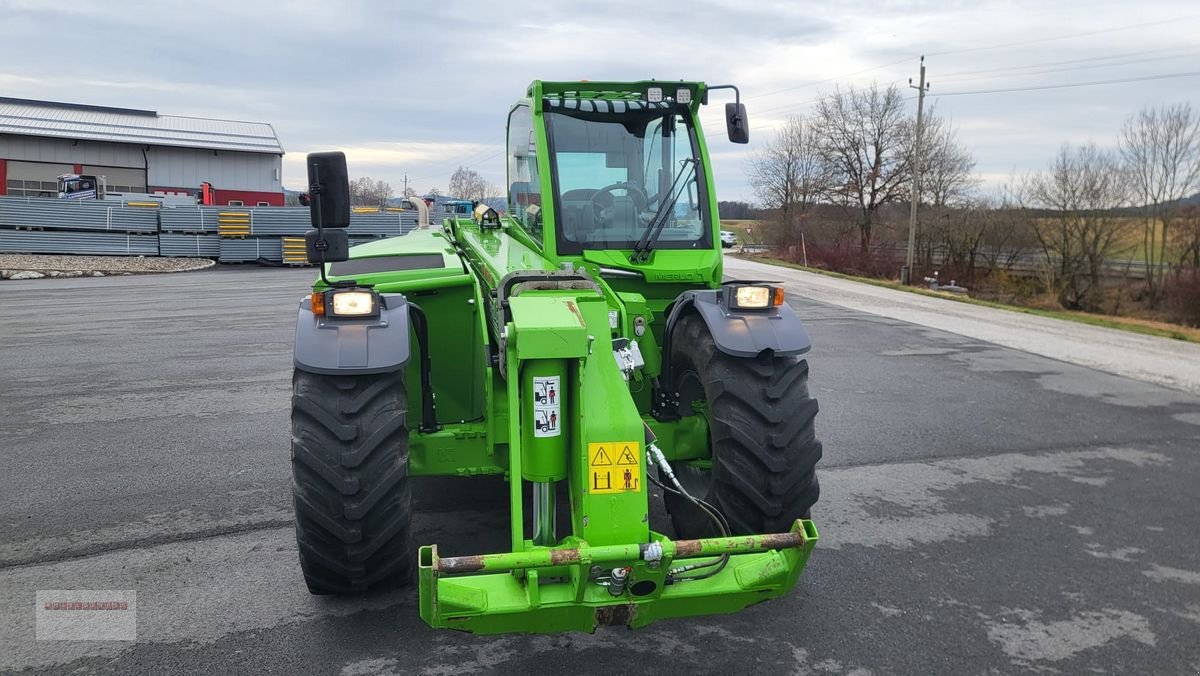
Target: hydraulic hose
[
  {"x": 421, "y": 328},
  {"x": 676, "y": 574}
]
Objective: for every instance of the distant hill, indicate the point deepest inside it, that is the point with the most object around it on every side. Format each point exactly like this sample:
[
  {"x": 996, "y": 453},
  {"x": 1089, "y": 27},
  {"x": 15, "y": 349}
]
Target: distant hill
[{"x": 1185, "y": 202}]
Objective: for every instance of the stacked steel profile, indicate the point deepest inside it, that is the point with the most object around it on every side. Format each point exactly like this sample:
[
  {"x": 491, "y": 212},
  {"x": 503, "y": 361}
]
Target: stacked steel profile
[
  {"x": 35, "y": 225},
  {"x": 229, "y": 234}
]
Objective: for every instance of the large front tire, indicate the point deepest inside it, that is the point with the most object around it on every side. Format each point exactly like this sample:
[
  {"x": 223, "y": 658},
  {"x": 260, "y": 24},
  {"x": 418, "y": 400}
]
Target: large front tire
[
  {"x": 761, "y": 432},
  {"x": 350, "y": 481}
]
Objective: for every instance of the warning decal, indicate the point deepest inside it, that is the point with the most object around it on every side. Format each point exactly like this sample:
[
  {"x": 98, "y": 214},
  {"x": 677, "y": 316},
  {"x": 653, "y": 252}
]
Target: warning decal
[
  {"x": 622, "y": 476},
  {"x": 547, "y": 411},
  {"x": 627, "y": 457},
  {"x": 600, "y": 458}
]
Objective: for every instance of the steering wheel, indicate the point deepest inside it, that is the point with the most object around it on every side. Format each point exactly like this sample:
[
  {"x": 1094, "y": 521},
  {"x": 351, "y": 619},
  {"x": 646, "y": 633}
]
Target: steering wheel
[{"x": 639, "y": 196}]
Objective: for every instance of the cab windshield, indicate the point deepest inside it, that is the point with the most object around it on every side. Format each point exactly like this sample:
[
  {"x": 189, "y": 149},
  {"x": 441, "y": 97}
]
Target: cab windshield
[{"x": 620, "y": 166}]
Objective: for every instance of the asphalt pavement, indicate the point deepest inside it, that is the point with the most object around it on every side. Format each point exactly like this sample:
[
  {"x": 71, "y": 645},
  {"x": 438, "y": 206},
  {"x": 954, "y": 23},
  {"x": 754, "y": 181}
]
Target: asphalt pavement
[{"x": 984, "y": 509}]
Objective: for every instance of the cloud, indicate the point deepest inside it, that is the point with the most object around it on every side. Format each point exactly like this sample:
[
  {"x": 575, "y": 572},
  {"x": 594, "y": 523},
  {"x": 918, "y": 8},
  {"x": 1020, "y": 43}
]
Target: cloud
[
  {"x": 391, "y": 161},
  {"x": 419, "y": 88}
]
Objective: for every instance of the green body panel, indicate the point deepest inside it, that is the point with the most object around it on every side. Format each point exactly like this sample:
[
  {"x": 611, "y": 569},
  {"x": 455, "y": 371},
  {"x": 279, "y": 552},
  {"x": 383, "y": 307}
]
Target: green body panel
[
  {"x": 605, "y": 414},
  {"x": 551, "y": 327},
  {"x": 492, "y": 361}
]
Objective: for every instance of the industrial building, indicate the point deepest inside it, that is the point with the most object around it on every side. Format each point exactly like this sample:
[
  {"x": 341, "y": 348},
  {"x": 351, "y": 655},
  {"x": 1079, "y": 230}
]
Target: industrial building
[{"x": 137, "y": 151}]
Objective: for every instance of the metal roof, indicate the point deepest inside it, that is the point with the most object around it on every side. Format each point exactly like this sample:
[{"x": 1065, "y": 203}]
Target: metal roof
[{"x": 123, "y": 125}]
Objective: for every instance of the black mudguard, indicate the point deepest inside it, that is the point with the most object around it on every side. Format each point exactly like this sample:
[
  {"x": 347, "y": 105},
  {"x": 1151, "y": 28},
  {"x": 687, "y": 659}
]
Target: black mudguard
[
  {"x": 353, "y": 346},
  {"x": 746, "y": 333}
]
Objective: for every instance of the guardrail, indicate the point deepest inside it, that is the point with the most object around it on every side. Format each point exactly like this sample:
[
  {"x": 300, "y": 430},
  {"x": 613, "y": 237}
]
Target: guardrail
[{"x": 229, "y": 234}]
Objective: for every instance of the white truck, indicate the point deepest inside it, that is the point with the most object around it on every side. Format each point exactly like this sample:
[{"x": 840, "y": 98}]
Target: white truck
[{"x": 89, "y": 187}]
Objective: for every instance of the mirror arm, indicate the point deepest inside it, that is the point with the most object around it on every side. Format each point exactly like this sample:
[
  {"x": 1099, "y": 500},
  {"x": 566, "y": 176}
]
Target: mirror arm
[
  {"x": 737, "y": 94},
  {"x": 315, "y": 194}
]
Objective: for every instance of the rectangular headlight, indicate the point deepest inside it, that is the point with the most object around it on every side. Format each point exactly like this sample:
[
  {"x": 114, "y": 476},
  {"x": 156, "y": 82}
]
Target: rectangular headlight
[
  {"x": 654, "y": 94},
  {"x": 355, "y": 303},
  {"x": 753, "y": 296}
]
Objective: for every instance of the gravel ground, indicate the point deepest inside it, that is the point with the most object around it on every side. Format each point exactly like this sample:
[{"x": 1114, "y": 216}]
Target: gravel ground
[
  {"x": 79, "y": 266},
  {"x": 1162, "y": 361}
]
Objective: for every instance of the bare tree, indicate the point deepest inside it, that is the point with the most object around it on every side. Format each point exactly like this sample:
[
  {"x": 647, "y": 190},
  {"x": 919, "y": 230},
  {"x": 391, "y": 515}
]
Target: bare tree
[
  {"x": 1009, "y": 230},
  {"x": 947, "y": 177},
  {"x": 865, "y": 140},
  {"x": 1187, "y": 244},
  {"x": 370, "y": 193},
  {"x": 788, "y": 174},
  {"x": 1161, "y": 152},
  {"x": 468, "y": 184},
  {"x": 1082, "y": 189}
]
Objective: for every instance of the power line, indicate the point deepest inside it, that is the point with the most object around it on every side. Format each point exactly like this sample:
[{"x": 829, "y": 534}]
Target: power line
[
  {"x": 474, "y": 158},
  {"x": 1069, "y": 84},
  {"x": 809, "y": 102},
  {"x": 1065, "y": 37},
  {"x": 1113, "y": 64},
  {"x": 976, "y": 49},
  {"x": 1060, "y": 63},
  {"x": 830, "y": 79}
]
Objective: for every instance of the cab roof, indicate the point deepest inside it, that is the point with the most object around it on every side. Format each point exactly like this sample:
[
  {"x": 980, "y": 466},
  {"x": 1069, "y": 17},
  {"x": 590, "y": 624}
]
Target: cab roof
[{"x": 615, "y": 91}]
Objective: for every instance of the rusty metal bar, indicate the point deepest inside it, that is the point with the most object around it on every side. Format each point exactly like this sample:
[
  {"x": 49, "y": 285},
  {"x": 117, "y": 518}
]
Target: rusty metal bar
[{"x": 683, "y": 549}]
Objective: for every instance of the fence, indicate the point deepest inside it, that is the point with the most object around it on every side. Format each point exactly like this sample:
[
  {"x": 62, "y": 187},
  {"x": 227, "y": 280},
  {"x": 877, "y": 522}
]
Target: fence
[{"x": 229, "y": 234}]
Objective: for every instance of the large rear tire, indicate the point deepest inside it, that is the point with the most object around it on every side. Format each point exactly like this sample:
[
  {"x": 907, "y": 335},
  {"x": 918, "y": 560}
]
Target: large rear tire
[
  {"x": 350, "y": 481},
  {"x": 761, "y": 432}
]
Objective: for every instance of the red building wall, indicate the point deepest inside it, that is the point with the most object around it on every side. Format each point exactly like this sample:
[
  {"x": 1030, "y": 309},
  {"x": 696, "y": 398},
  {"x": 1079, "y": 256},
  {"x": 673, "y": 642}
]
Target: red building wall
[
  {"x": 3, "y": 177},
  {"x": 248, "y": 198}
]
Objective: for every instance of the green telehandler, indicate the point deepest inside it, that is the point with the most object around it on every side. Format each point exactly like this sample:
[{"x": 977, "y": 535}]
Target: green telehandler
[{"x": 584, "y": 343}]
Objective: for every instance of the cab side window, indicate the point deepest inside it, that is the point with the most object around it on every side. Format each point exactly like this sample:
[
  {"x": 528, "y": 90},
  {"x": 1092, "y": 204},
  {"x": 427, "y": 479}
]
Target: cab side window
[{"x": 524, "y": 188}]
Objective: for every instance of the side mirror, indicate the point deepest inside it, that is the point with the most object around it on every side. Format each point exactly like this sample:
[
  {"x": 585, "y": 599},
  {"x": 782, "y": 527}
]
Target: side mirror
[
  {"x": 327, "y": 246},
  {"x": 736, "y": 123},
  {"x": 329, "y": 190}
]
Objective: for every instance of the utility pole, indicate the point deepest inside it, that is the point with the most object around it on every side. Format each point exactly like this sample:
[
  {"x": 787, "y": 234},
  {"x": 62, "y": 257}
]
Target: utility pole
[
  {"x": 922, "y": 87},
  {"x": 405, "y": 193}
]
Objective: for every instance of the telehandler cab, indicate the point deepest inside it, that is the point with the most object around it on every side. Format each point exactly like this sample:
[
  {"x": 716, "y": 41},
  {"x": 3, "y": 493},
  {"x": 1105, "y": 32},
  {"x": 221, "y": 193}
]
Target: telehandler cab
[{"x": 568, "y": 345}]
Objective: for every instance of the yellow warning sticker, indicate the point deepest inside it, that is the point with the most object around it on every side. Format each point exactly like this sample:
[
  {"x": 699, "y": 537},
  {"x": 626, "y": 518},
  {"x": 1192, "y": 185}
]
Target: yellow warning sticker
[{"x": 615, "y": 467}]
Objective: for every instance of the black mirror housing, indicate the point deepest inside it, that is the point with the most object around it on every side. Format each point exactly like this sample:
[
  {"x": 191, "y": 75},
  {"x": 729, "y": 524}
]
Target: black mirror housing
[
  {"x": 327, "y": 246},
  {"x": 736, "y": 123},
  {"x": 329, "y": 190}
]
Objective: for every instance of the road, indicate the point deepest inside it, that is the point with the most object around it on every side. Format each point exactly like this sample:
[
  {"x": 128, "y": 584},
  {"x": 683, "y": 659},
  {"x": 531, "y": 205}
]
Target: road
[
  {"x": 1173, "y": 363},
  {"x": 984, "y": 508}
]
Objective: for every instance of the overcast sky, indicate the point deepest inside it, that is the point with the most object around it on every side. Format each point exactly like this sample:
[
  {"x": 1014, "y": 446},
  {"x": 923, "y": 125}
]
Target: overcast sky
[{"x": 409, "y": 87}]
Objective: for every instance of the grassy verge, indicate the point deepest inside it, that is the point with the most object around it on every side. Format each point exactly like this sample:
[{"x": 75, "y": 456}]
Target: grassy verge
[{"x": 1144, "y": 326}]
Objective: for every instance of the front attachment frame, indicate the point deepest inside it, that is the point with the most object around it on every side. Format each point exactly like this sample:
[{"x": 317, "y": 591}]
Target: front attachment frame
[{"x": 547, "y": 590}]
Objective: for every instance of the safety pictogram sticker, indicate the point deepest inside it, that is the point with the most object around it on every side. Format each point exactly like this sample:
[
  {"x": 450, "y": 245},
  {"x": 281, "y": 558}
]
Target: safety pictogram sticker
[
  {"x": 615, "y": 467},
  {"x": 547, "y": 407}
]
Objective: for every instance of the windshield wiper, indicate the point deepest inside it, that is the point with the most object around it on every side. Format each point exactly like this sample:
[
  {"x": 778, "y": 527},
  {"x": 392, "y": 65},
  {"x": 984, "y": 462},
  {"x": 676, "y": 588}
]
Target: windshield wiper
[{"x": 641, "y": 250}]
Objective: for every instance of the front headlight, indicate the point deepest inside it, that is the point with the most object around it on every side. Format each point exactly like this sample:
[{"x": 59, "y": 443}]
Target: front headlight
[
  {"x": 753, "y": 296},
  {"x": 356, "y": 303}
]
